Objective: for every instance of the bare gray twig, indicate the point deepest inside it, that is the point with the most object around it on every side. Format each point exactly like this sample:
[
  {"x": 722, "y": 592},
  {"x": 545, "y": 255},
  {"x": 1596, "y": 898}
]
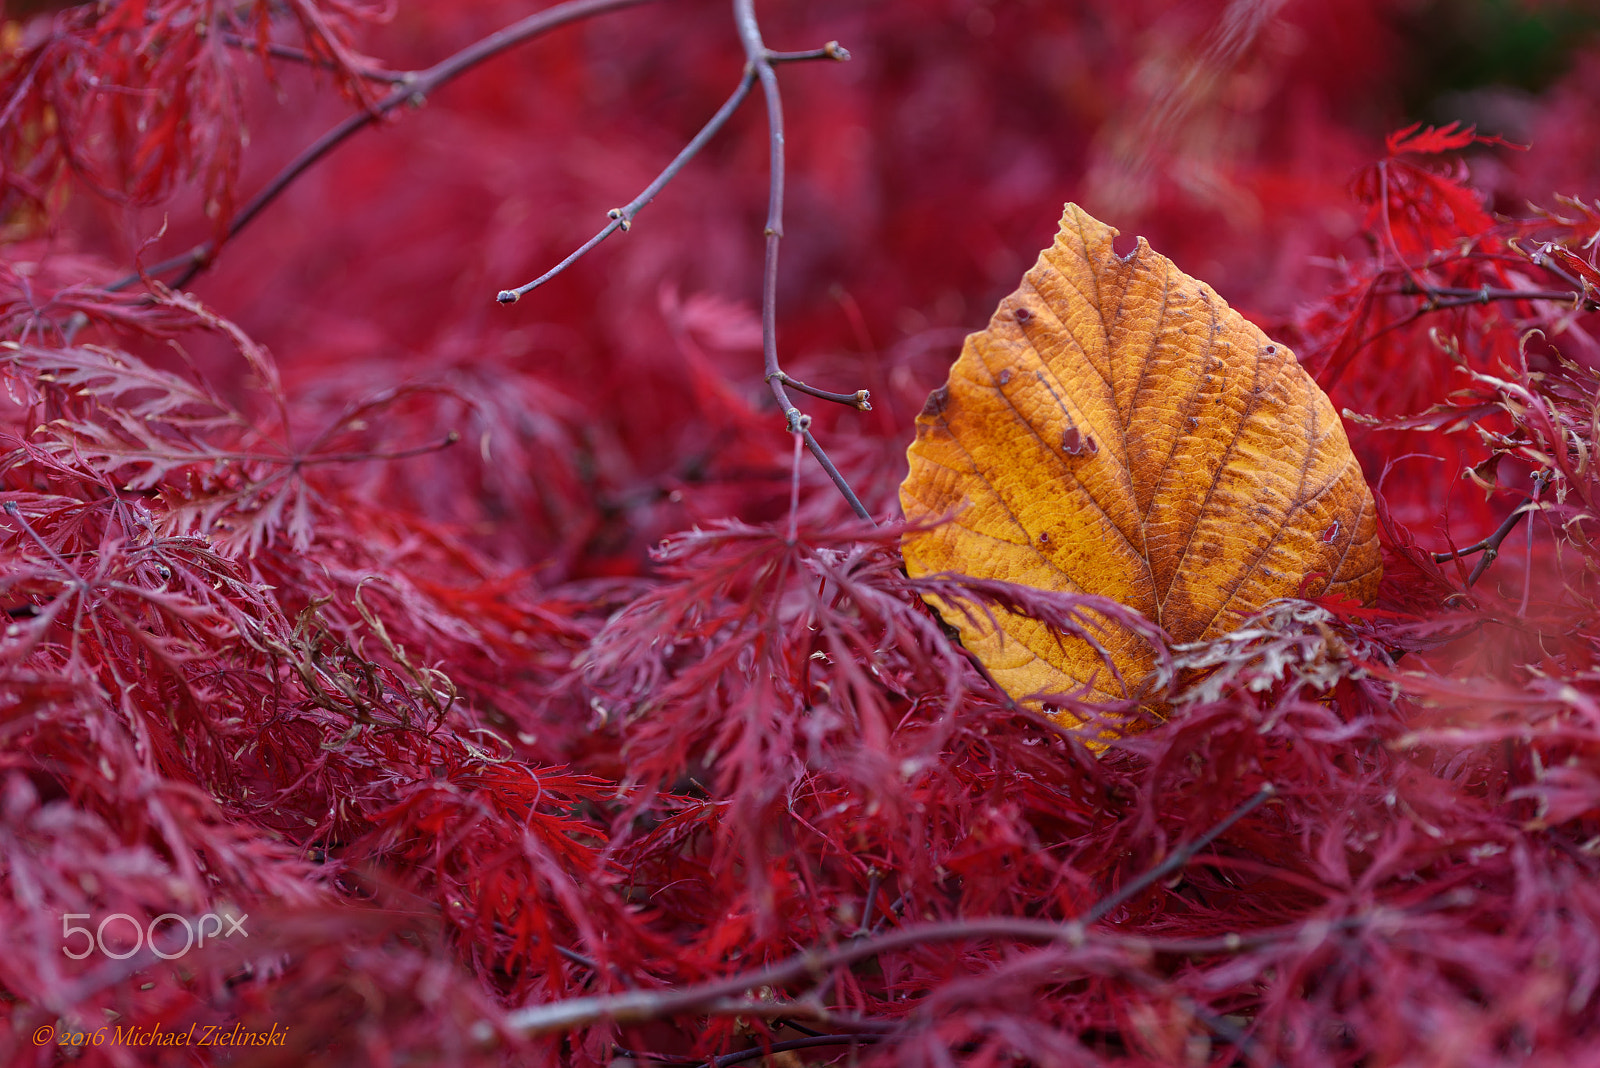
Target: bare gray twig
[
  {"x": 622, "y": 218},
  {"x": 410, "y": 88},
  {"x": 729, "y": 995},
  {"x": 759, "y": 59}
]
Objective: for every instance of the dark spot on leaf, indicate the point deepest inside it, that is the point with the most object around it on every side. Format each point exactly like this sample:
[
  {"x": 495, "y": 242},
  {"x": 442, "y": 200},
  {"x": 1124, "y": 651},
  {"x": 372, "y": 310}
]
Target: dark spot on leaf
[
  {"x": 1023, "y": 315},
  {"x": 1075, "y": 443},
  {"x": 937, "y": 402},
  {"x": 1005, "y": 377}
]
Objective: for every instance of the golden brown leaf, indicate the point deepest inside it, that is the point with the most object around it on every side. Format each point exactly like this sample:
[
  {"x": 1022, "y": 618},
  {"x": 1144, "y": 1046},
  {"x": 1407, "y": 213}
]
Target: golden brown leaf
[{"x": 1119, "y": 430}]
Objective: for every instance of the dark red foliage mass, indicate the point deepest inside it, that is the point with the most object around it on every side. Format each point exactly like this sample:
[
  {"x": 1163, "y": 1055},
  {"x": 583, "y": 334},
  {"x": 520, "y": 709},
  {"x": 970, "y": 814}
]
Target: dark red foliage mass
[{"x": 503, "y": 685}]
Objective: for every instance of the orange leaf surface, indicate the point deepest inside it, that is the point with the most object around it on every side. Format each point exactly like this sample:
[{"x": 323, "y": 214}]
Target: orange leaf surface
[{"x": 1119, "y": 430}]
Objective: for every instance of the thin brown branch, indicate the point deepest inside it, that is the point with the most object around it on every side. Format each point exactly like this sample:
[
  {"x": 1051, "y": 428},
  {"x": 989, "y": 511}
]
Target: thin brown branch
[
  {"x": 725, "y": 996},
  {"x": 412, "y": 89},
  {"x": 1388, "y": 227},
  {"x": 809, "y": 1042},
  {"x": 1527, "y": 549},
  {"x": 1490, "y": 546},
  {"x": 1179, "y": 858},
  {"x": 874, "y": 878},
  {"x": 445, "y": 442},
  {"x": 786, "y": 1013},
  {"x": 833, "y": 472},
  {"x": 622, "y": 218},
  {"x": 860, "y": 400},
  {"x": 300, "y": 55},
  {"x": 1441, "y": 298},
  {"x": 1539, "y": 258},
  {"x": 832, "y": 50},
  {"x": 794, "y": 491},
  {"x": 1461, "y": 296},
  {"x": 759, "y": 60},
  {"x": 1491, "y": 542}
]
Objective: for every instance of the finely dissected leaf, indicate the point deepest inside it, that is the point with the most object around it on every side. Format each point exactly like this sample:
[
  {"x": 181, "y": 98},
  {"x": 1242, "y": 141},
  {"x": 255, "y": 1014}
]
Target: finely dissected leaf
[{"x": 1119, "y": 430}]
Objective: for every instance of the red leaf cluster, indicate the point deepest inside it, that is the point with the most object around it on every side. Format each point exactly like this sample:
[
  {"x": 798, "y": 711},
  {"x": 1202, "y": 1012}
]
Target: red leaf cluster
[
  {"x": 523, "y": 692},
  {"x": 128, "y": 99}
]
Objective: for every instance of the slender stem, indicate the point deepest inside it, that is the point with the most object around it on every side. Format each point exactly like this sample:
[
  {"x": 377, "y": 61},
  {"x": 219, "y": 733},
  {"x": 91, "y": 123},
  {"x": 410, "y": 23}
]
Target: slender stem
[
  {"x": 578, "y": 958},
  {"x": 1458, "y": 296},
  {"x": 300, "y": 55},
  {"x": 833, "y": 473},
  {"x": 1490, "y": 546},
  {"x": 811, "y": 1042},
  {"x": 654, "y": 1058},
  {"x": 791, "y": 1025},
  {"x": 75, "y": 582},
  {"x": 1493, "y": 552},
  {"x": 860, "y": 400},
  {"x": 622, "y": 218},
  {"x": 360, "y": 457},
  {"x": 1440, "y": 303},
  {"x": 1388, "y": 227},
  {"x": 1178, "y": 858},
  {"x": 307, "y": 459},
  {"x": 1539, "y": 259},
  {"x": 794, "y": 492},
  {"x": 412, "y": 89},
  {"x": 23, "y": 86},
  {"x": 756, "y": 58},
  {"x": 638, "y": 1006},
  {"x": 1441, "y": 298},
  {"x": 832, "y": 50},
  {"x": 865, "y": 925},
  {"x": 12, "y": 509},
  {"x": 786, "y": 1012},
  {"x": 759, "y": 60},
  {"x": 1527, "y": 552}
]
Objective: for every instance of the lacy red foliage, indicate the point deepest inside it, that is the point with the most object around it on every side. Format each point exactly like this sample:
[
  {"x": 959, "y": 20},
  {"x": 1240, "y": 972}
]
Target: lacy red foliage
[
  {"x": 505, "y": 686},
  {"x": 129, "y": 98}
]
